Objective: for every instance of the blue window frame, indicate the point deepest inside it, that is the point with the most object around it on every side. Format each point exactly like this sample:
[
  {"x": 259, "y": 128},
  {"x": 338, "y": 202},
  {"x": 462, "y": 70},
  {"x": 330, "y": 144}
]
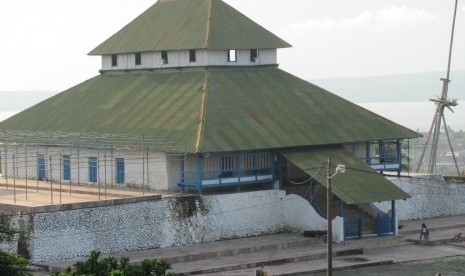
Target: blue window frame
[
  {"x": 120, "y": 173},
  {"x": 66, "y": 167},
  {"x": 93, "y": 169},
  {"x": 41, "y": 167}
]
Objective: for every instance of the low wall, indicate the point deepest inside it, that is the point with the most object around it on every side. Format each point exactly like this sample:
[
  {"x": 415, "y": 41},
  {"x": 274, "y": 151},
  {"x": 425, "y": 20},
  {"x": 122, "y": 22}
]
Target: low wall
[
  {"x": 73, "y": 232},
  {"x": 431, "y": 197}
]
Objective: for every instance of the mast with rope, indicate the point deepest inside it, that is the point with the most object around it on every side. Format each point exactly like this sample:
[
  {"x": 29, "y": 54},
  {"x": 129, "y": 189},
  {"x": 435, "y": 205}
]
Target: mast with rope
[{"x": 441, "y": 103}]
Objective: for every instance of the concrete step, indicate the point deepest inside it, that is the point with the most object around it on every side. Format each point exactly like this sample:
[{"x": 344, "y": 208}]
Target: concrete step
[
  {"x": 252, "y": 247},
  {"x": 310, "y": 267},
  {"x": 260, "y": 259},
  {"x": 208, "y": 251},
  {"x": 375, "y": 241}
]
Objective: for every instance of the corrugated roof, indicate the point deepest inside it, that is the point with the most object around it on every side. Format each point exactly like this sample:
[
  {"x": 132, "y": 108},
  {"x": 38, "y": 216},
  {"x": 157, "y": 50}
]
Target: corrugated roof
[
  {"x": 359, "y": 184},
  {"x": 189, "y": 24},
  {"x": 259, "y": 108},
  {"x": 212, "y": 109}
]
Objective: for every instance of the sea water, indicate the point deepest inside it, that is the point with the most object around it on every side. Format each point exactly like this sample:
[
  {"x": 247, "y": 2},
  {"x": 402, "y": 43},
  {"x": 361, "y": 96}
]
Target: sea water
[{"x": 418, "y": 115}]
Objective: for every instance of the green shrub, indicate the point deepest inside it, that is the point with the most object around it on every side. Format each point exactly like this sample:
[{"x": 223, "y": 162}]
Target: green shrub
[
  {"x": 11, "y": 264},
  {"x": 110, "y": 266}
]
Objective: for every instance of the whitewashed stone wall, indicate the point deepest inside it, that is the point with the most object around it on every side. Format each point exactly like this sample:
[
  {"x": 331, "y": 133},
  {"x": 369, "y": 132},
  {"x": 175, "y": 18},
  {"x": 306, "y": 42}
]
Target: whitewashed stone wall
[
  {"x": 167, "y": 222},
  {"x": 65, "y": 234},
  {"x": 431, "y": 197}
]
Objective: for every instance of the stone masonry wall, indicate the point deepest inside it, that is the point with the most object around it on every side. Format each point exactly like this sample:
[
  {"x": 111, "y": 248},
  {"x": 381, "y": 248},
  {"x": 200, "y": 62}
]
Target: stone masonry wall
[
  {"x": 73, "y": 232},
  {"x": 66, "y": 234},
  {"x": 431, "y": 197}
]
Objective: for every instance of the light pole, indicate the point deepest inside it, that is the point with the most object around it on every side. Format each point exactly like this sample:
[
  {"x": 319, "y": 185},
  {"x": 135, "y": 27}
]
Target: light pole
[{"x": 329, "y": 235}]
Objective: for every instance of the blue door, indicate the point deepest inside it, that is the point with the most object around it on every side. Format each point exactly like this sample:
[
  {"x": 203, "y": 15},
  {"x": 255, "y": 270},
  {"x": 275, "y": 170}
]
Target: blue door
[
  {"x": 41, "y": 167},
  {"x": 120, "y": 170},
  {"x": 66, "y": 168},
  {"x": 93, "y": 169}
]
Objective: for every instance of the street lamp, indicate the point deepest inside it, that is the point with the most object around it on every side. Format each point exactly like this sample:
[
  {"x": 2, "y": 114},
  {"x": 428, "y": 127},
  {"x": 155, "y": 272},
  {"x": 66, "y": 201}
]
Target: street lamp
[{"x": 329, "y": 236}]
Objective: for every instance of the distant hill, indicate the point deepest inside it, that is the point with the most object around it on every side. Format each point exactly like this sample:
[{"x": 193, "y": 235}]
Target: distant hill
[
  {"x": 391, "y": 88},
  {"x": 395, "y": 88},
  {"x": 20, "y": 100}
]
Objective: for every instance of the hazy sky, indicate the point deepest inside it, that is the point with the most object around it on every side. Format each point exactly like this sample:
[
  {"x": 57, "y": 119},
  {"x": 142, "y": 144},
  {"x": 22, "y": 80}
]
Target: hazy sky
[{"x": 44, "y": 43}]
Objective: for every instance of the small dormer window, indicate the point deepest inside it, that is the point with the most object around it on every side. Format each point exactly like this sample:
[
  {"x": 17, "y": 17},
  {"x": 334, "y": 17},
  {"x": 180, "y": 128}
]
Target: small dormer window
[
  {"x": 164, "y": 57},
  {"x": 138, "y": 58},
  {"x": 232, "y": 56},
  {"x": 192, "y": 57},
  {"x": 254, "y": 55},
  {"x": 114, "y": 60}
]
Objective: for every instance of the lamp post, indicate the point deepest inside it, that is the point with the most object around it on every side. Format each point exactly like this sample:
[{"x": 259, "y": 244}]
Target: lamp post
[{"x": 329, "y": 236}]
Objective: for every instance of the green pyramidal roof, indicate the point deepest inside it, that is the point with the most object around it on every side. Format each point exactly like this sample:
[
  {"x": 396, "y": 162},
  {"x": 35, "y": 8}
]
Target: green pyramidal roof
[
  {"x": 189, "y": 24},
  {"x": 209, "y": 110}
]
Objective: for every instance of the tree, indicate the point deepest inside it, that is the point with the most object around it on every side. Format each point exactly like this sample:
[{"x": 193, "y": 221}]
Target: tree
[{"x": 11, "y": 264}]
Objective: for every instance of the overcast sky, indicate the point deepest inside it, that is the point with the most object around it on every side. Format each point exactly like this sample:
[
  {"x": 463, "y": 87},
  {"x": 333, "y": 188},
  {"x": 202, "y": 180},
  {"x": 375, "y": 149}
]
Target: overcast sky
[{"x": 44, "y": 43}]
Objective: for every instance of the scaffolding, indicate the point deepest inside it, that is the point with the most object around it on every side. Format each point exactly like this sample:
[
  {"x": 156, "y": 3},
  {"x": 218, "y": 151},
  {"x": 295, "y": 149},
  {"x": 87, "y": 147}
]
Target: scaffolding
[{"x": 29, "y": 159}]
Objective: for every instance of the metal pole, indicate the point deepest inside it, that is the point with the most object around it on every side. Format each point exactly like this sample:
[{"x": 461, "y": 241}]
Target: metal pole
[
  {"x": 98, "y": 169},
  {"x": 6, "y": 165},
  {"x": 148, "y": 185},
  {"x": 105, "y": 171},
  {"x": 70, "y": 145},
  {"x": 14, "y": 179},
  {"x": 16, "y": 152},
  {"x": 51, "y": 179},
  {"x": 111, "y": 168},
  {"x": 78, "y": 167},
  {"x": 60, "y": 156},
  {"x": 143, "y": 167},
  {"x": 37, "y": 160},
  {"x": 408, "y": 156},
  {"x": 25, "y": 164},
  {"x": 329, "y": 235}
]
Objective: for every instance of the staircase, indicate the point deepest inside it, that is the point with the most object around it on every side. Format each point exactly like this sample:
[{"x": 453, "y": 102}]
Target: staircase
[{"x": 369, "y": 225}]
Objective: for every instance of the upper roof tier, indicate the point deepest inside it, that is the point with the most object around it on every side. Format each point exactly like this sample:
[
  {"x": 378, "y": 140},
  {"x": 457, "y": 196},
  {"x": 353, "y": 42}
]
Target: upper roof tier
[{"x": 189, "y": 24}]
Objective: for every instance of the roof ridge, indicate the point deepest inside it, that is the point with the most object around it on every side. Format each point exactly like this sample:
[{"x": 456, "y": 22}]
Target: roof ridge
[
  {"x": 207, "y": 37},
  {"x": 201, "y": 126}
]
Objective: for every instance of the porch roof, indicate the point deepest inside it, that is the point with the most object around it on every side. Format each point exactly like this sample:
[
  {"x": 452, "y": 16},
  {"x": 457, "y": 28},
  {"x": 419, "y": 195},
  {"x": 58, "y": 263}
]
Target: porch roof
[{"x": 359, "y": 184}]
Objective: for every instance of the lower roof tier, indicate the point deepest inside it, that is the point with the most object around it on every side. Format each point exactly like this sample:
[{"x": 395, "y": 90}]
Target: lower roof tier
[{"x": 209, "y": 109}]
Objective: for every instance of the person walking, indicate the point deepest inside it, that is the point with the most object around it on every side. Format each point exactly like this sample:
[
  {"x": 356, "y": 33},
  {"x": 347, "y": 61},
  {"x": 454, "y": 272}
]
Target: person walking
[{"x": 424, "y": 232}]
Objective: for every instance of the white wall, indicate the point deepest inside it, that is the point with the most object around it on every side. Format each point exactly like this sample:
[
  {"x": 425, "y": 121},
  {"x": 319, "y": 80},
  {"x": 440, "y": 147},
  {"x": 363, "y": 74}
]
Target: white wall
[
  {"x": 300, "y": 216},
  {"x": 166, "y": 222},
  {"x": 163, "y": 170},
  {"x": 181, "y": 59},
  {"x": 431, "y": 197}
]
